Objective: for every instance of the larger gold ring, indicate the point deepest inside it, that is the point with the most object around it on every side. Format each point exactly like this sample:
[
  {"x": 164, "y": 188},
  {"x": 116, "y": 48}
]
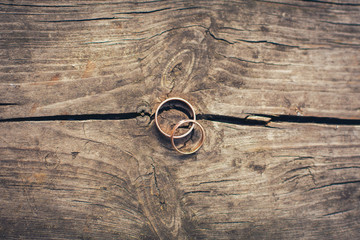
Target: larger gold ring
[
  {"x": 200, "y": 142},
  {"x": 192, "y": 112}
]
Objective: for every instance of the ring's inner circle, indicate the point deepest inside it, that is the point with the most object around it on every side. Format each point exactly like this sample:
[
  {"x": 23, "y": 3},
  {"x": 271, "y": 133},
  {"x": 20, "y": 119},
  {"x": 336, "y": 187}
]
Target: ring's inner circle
[{"x": 171, "y": 113}]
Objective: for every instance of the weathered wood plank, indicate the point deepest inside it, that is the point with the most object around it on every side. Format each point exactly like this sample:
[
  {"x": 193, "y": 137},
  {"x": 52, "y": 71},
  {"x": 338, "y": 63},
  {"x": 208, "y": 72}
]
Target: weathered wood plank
[
  {"x": 92, "y": 179},
  {"x": 249, "y": 57}
]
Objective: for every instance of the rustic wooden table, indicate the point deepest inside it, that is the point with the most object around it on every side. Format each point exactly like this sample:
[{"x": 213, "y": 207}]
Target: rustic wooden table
[{"x": 276, "y": 85}]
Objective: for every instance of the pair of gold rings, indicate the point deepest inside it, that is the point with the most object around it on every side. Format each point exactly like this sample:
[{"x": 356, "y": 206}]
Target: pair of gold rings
[{"x": 190, "y": 112}]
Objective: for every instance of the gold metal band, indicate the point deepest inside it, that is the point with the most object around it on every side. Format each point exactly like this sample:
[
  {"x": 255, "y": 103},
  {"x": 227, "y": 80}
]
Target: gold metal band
[
  {"x": 197, "y": 147},
  {"x": 192, "y": 112}
]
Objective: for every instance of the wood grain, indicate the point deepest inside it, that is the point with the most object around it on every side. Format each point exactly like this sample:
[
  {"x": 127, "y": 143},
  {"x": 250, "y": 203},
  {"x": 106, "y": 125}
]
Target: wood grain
[
  {"x": 259, "y": 57},
  {"x": 120, "y": 179},
  {"x": 91, "y": 179}
]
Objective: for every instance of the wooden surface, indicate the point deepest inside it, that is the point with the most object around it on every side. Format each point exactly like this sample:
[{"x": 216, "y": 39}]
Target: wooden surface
[{"x": 119, "y": 179}]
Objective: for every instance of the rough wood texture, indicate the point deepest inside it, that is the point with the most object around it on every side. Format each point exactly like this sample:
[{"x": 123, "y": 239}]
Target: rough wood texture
[{"x": 119, "y": 179}]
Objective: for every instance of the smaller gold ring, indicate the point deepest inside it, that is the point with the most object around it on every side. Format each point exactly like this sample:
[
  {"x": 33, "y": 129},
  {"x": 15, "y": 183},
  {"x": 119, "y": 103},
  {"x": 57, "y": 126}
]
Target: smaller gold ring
[
  {"x": 192, "y": 112},
  {"x": 200, "y": 142}
]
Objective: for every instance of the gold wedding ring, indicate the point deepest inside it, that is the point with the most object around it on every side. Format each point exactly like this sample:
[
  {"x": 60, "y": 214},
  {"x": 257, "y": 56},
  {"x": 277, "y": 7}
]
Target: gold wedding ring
[
  {"x": 175, "y": 99},
  {"x": 200, "y": 142},
  {"x": 191, "y": 120}
]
